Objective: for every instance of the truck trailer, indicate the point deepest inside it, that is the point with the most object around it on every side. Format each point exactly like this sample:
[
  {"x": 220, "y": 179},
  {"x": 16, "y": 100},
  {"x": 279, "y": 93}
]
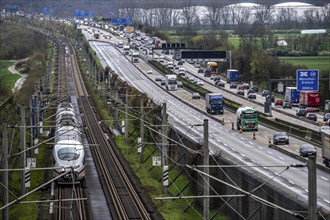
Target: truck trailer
[
  {"x": 171, "y": 82},
  {"x": 247, "y": 119},
  {"x": 135, "y": 57},
  {"x": 232, "y": 75},
  {"x": 325, "y": 136},
  {"x": 292, "y": 95},
  {"x": 214, "y": 103},
  {"x": 126, "y": 49},
  {"x": 310, "y": 99}
]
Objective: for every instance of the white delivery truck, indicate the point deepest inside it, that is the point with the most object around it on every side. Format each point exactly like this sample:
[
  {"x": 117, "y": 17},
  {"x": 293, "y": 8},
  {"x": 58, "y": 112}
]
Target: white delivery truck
[
  {"x": 126, "y": 49},
  {"x": 171, "y": 82},
  {"x": 135, "y": 57}
]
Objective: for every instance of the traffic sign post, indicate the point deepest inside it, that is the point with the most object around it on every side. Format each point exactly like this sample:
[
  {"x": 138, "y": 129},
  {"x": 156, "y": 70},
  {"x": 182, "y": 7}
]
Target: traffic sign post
[{"x": 307, "y": 80}]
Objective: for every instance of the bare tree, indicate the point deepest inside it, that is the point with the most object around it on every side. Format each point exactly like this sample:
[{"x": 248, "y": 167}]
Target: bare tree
[
  {"x": 190, "y": 15},
  {"x": 263, "y": 13},
  {"x": 163, "y": 17},
  {"x": 314, "y": 17},
  {"x": 214, "y": 14},
  {"x": 286, "y": 17},
  {"x": 225, "y": 16},
  {"x": 133, "y": 13},
  {"x": 242, "y": 15}
]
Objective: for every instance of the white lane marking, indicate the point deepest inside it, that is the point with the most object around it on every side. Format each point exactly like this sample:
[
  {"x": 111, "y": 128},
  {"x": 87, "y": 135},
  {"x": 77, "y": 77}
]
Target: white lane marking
[
  {"x": 243, "y": 155},
  {"x": 327, "y": 201},
  {"x": 324, "y": 178},
  {"x": 250, "y": 142},
  {"x": 291, "y": 182},
  {"x": 260, "y": 147},
  {"x": 281, "y": 158},
  {"x": 269, "y": 152}
]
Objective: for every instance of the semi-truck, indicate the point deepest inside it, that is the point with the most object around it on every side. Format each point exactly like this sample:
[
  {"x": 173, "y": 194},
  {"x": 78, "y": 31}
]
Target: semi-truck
[
  {"x": 135, "y": 57},
  {"x": 232, "y": 75},
  {"x": 247, "y": 119},
  {"x": 325, "y": 136},
  {"x": 126, "y": 49},
  {"x": 214, "y": 103},
  {"x": 171, "y": 82},
  {"x": 292, "y": 95},
  {"x": 310, "y": 99},
  {"x": 211, "y": 68}
]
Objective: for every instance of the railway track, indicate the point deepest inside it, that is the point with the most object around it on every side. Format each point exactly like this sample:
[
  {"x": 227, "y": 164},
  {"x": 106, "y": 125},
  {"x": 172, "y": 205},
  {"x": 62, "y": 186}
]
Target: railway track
[
  {"x": 123, "y": 197},
  {"x": 70, "y": 202},
  {"x": 70, "y": 198}
]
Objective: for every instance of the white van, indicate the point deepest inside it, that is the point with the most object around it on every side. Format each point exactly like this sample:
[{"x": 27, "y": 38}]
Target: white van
[{"x": 182, "y": 71}]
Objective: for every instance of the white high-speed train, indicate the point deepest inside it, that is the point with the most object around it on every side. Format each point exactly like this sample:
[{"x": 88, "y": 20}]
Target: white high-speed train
[{"x": 68, "y": 151}]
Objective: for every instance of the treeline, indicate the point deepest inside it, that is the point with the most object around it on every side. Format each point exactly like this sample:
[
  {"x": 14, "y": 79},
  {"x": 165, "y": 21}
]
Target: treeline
[{"x": 18, "y": 42}]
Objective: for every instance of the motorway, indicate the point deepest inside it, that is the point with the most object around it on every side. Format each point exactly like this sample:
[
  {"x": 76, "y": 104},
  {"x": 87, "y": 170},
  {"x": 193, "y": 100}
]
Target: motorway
[{"x": 222, "y": 139}]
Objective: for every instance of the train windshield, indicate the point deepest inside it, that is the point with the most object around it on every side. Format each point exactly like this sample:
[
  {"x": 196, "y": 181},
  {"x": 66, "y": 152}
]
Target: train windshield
[{"x": 68, "y": 153}]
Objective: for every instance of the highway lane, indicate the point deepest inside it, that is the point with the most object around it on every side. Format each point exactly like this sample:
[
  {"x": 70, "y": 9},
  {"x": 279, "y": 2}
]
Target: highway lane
[{"x": 222, "y": 139}]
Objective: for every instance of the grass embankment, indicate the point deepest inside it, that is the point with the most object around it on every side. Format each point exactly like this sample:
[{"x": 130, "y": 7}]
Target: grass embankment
[
  {"x": 322, "y": 63},
  {"x": 7, "y": 79}
]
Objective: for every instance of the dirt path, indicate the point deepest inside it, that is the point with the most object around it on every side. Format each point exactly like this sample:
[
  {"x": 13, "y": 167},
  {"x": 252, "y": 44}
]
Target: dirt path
[{"x": 19, "y": 83}]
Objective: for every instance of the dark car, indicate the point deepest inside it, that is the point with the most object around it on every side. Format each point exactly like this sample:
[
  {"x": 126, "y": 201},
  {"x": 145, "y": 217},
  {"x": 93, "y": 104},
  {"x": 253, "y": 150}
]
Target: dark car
[
  {"x": 180, "y": 85},
  {"x": 250, "y": 91},
  {"x": 280, "y": 137},
  {"x": 265, "y": 93},
  {"x": 240, "y": 92},
  {"x": 255, "y": 88},
  {"x": 233, "y": 86},
  {"x": 287, "y": 105},
  {"x": 307, "y": 150},
  {"x": 163, "y": 82},
  {"x": 326, "y": 117},
  {"x": 180, "y": 63},
  {"x": 311, "y": 116},
  {"x": 301, "y": 112},
  {"x": 157, "y": 78},
  {"x": 252, "y": 96},
  {"x": 200, "y": 70}
]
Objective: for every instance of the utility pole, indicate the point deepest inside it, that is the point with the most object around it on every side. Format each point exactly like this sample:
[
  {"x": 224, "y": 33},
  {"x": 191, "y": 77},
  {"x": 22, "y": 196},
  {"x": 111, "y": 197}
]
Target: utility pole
[
  {"x": 206, "y": 188},
  {"x": 126, "y": 115},
  {"x": 5, "y": 213},
  {"x": 141, "y": 130},
  {"x": 312, "y": 201},
  {"x": 23, "y": 147},
  {"x": 164, "y": 148}
]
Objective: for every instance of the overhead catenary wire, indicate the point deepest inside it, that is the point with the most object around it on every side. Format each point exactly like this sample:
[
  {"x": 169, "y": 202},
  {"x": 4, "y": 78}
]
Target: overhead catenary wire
[{"x": 246, "y": 192}]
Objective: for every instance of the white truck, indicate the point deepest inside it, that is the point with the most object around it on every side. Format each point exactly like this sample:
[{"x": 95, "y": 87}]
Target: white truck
[
  {"x": 171, "y": 82},
  {"x": 135, "y": 57},
  {"x": 126, "y": 49}
]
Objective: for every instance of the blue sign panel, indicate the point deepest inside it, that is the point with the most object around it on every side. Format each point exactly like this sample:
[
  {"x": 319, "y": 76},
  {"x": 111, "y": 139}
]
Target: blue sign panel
[
  {"x": 121, "y": 20},
  {"x": 307, "y": 80}
]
